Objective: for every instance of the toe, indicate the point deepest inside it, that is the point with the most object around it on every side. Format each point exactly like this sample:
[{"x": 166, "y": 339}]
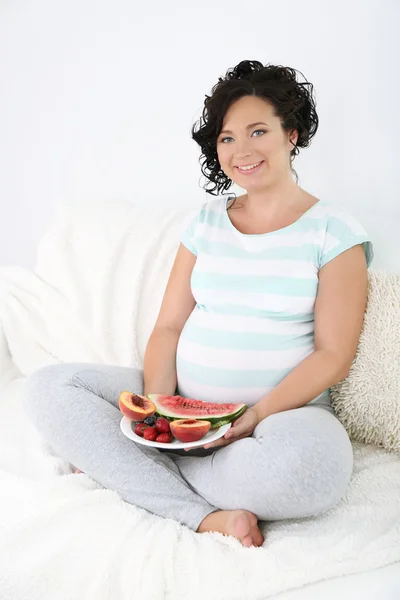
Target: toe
[
  {"x": 243, "y": 526},
  {"x": 247, "y": 541},
  {"x": 257, "y": 537}
]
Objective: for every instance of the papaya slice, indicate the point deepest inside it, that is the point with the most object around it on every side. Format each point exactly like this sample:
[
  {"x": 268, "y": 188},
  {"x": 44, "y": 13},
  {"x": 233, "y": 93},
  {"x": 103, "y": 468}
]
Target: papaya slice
[
  {"x": 136, "y": 407},
  {"x": 189, "y": 430}
]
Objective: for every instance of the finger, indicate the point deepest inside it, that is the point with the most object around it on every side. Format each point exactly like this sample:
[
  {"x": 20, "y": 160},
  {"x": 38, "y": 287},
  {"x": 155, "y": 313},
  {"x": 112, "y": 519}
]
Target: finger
[
  {"x": 233, "y": 432},
  {"x": 230, "y": 436},
  {"x": 220, "y": 442}
]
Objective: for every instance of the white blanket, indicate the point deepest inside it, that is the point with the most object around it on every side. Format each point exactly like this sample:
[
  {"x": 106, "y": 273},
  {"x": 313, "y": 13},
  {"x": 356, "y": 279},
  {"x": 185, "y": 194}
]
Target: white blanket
[{"x": 94, "y": 296}]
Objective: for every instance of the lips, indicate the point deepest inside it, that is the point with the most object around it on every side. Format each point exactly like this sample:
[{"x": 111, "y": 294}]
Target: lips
[
  {"x": 248, "y": 164},
  {"x": 249, "y": 171}
]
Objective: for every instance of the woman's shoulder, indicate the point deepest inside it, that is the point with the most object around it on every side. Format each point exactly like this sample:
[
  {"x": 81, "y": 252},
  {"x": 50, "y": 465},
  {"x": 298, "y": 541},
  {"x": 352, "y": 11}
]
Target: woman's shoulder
[
  {"x": 343, "y": 229},
  {"x": 339, "y": 214}
]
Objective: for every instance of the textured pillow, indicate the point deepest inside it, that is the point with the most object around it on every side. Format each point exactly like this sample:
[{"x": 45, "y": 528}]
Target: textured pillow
[{"x": 367, "y": 402}]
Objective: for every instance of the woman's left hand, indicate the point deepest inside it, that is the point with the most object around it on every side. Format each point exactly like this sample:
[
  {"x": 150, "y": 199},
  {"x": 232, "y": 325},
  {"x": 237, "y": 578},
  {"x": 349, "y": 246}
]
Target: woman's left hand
[{"x": 241, "y": 428}]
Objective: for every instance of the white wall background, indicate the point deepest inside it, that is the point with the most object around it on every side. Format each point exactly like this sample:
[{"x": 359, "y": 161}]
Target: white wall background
[{"x": 97, "y": 99}]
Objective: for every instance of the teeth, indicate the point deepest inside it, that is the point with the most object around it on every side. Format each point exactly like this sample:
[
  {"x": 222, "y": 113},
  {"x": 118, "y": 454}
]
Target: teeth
[{"x": 249, "y": 166}]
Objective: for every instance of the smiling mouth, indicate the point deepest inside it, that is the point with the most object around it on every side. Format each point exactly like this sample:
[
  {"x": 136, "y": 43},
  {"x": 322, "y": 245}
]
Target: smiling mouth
[{"x": 250, "y": 170}]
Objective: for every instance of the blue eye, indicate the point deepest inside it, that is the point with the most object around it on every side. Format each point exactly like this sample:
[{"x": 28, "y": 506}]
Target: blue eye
[{"x": 255, "y": 131}]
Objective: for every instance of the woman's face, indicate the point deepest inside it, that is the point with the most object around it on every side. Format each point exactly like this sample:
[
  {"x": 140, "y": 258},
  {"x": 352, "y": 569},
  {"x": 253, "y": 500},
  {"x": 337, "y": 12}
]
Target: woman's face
[{"x": 265, "y": 142}]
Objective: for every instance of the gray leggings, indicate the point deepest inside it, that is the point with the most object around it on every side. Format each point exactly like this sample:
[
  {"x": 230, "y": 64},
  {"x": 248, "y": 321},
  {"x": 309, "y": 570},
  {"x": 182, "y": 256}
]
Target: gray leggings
[{"x": 297, "y": 463}]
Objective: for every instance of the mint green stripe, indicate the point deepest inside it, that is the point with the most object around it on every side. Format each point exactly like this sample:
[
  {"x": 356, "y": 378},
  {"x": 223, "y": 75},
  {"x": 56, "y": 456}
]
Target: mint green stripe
[
  {"x": 231, "y": 377},
  {"x": 367, "y": 245},
  {"x": 218, "y": 220},
  {"x": 340, "y": 229},
  {"x": 307, "y": 252},
  {"x": 239, "y": 341},
  {"x": 202, "y": 214},
  {"x": 257, "y": 284},
  {"x": 243, "y": 311}
]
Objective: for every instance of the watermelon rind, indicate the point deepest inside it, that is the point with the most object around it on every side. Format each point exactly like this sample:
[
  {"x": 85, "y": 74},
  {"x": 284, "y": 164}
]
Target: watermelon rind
[{"x": 216, "y": 421}]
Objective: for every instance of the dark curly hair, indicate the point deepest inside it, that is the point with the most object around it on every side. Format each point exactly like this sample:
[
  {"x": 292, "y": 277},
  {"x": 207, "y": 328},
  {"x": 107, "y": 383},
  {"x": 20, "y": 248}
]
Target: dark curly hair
[{"x": 293, "y": 103}]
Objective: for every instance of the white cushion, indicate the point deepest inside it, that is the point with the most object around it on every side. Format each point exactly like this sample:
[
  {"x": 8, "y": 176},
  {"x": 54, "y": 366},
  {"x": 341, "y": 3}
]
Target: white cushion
[{"x": 367, "y": 401}]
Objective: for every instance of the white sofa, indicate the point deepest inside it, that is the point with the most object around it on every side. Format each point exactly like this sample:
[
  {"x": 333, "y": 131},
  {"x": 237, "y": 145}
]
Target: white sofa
[{"x": 93, "y": 296}]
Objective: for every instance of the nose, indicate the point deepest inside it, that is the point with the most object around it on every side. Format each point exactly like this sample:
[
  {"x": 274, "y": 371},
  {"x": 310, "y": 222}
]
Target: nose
[
  {"x": 243, "y": 149},
  {"x": 241, "y": 157}
]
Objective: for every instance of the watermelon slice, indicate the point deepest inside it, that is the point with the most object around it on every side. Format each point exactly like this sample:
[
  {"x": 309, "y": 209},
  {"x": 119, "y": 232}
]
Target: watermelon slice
[{"x": 179, "y": 407}]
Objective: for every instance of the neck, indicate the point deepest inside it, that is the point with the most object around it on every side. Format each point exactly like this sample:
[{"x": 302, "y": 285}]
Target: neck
[{"x": 274, "y": 200}]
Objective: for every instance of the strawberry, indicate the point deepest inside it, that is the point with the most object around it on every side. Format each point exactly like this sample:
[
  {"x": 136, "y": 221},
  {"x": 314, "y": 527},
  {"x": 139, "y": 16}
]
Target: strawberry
[
  {"x": 139, "y": 429},
  {"x": 165, "y": 438},
  {"x": 162, "y": 425},
  {"x": 150, "y": 433}
]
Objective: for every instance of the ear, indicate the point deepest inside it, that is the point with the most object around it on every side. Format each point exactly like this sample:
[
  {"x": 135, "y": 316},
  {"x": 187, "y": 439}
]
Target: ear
[{"x": 292, "y": 139}]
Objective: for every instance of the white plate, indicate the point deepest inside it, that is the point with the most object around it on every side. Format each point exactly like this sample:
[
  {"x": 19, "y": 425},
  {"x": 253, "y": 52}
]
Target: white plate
[{"x": 128, "y": 426}]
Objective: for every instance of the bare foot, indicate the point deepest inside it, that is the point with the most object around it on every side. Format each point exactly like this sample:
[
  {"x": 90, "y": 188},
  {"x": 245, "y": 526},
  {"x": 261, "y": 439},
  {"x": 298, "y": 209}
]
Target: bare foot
[{"x": 242, "y": 524}]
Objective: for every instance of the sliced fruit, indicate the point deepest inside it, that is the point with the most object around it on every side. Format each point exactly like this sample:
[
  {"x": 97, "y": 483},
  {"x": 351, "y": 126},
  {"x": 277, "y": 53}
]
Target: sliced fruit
[
  {"x": 136, "y": 407},
  {"x": 179, "y": 407},
  {"x": 189, "y": 430}
]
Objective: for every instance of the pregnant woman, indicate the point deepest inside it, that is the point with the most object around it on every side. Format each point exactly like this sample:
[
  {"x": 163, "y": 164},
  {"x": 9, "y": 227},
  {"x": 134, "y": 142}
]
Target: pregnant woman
[{"x": 264, "y": 305}]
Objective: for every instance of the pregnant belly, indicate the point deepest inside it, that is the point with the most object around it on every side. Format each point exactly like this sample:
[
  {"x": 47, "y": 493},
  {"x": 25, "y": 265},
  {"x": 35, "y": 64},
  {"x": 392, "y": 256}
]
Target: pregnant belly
[{"x": 229, "y": 374}]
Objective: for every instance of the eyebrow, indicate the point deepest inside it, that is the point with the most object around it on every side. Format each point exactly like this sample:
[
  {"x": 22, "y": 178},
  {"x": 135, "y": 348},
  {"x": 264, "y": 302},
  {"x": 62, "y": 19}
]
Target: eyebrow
[{"x": 248, "y": 127}]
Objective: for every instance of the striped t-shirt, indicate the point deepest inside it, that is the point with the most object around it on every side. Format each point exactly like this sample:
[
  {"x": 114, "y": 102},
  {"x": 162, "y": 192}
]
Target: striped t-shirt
[{"x": 253, "y": 322}]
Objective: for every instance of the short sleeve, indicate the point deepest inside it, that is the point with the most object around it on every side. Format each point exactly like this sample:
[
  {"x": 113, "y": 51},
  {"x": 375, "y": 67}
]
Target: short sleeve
[
  {"x": 343, "y": 231},
  {"x": 189, "y": 229}
]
